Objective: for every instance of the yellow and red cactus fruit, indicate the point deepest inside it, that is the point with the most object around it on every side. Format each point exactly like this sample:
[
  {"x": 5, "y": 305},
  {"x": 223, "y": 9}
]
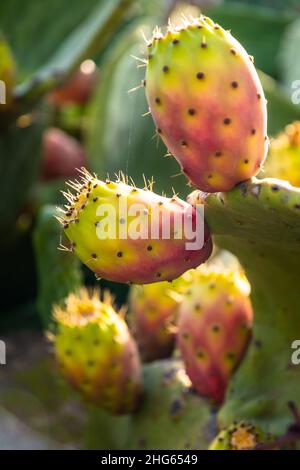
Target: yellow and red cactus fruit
[
  {"x": 62, "y": 155},
  {"x": 284, "y": 156},
  {"x": 97, "y": 353},
  {"x": 152, "y": 317},
  {"x": 207, "y": 103},
  {"x": 118, "y": 231},
  {"x": 214, "y": 326},
  {"x": 239, "y": 436}
]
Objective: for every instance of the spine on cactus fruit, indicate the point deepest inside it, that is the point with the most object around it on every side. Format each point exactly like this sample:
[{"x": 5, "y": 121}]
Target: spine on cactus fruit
[
  {"x": 214, "y": 325},
  {"x": 207, "y": 103},
  {"x": 127, "y": 234},
  {"x": 96, "y": 352}
]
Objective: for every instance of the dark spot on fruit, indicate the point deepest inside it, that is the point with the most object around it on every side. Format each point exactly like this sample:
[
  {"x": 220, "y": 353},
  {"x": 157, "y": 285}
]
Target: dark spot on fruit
[
  {"x": 165, "y": 69},
  {"x": 246, "y": 161},
  {"x": 233, "y": 51},
  {"x": 192, "y": 111},
  {"x": 297, "y": 206},
  {"x": 118, "y": 195},
  {"x": 215, "y": 328},
  {"x": 253, "y": 131},
  {"x": 68, "y": 352},
  {"x": 275, "y": 188},
  {"x": 200, "y": 75},
  {"x": 150, "y": 56},
  {"x": 200, "y": 354},
  {"x": 175, "y": 41},
  {"x": 258, "y": 95},
  {"x": 95, "y": 199},
  {"x": 157, "y": 100},
  {"x": 218, "y": 153},
  {"x": 158, "y": 274},
  {"x": 227, "y": 121},
  {"x": 149, "y": 248},
  {"x": 94, "y": 256},
  {"x": 119, "y": 254},
  {"x": 159, "y": 131},
  {"x": 203, "y": 45},
  {"x": 185, "y": 336},
  {"x": 183, "y": 143},
  {"x": 234, "y": 84},
  {"x": 197, "y": 307},
  {"x": 91, "y": 363},
  {"x": 144, "y": 82}
]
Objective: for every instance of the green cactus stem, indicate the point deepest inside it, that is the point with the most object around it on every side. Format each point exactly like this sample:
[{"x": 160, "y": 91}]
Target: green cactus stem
[{"x": 259, "y": 222}]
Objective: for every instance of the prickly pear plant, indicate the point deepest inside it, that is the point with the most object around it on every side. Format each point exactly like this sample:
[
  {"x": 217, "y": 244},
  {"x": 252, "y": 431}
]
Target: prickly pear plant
[
  {"x": 118, "y": 219},
  {"x": 152, "y": 317},
  {"x": 239, "y": 436},
  {"x": 207, "y": 103},
  {"x": 96, "y": 352},
  {"x": 172, "y": 416},
  {"x": 214, "y": 325},
  {"x": 284, "y": 156}
]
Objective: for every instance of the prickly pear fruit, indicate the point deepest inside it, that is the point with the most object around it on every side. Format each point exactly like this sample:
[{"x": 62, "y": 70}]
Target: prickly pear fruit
[
  {"x": 119, "y": 232},
  {"x": 96, "y": 352},
  {"x": 62, "y": 155},
  {"x": 284, "y": 156},
  {"x": 207, "y": 103},
  {"x": 172, "y": 416},
  {"x": 214, "y": 322},
  {"x": 153, "y": 312},
  {"x": 239, "y": 436},
  {"x": 78, "y": 88}
]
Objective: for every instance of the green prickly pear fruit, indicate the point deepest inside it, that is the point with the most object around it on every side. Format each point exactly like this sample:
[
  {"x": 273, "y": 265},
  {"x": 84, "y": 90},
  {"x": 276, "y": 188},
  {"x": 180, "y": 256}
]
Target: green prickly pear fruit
[
  {"x": 214, "y": 325},
  {"x": 119, "y": 232},
  {"x": 96, "y": 352},
  {"x": 58, "y": 271},
  {"x": 172, "y": 415},
  {"x": 239, "y": 436},
  {"x": 207, "y": 103},
  {"x": 153, "y": 313},
  {"x": 284, "y": 156}
]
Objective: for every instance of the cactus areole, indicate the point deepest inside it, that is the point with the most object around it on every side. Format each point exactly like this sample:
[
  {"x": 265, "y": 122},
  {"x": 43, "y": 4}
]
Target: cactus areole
[{"x": 207, "y": 103}]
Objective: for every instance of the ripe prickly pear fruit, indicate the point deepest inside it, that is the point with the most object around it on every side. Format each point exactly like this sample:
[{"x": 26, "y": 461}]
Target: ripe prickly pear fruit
[
  {"x": 78, "y": 88},
  {"x": 284, "y": 156},
  {"x": 239, "y": 436},
  {"x": 153, "y": 312},
  {"x": 214, "y": 323},
  {"x": 62, "y": 155},
  {"x": 96, "y": 352},
  {"x": 119, "y": 232},
  {"x": 207, "y": 103}
]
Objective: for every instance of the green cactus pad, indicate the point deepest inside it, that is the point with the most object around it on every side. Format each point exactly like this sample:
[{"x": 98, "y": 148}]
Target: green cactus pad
[
  {"x": 259, "y": 222},
  {"x": 172, "y": 416}
]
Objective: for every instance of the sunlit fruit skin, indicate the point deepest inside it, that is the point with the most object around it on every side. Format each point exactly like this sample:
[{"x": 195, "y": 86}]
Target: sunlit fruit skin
[
  {"x": 62, "y": 155},
  {"x": 152, "y": 316},
  {"x": 118, "y": 256},
  {"x": 96, "y": 353},
  {"x": 283, "y": 160},
  {"x": 207, "y": 103},
  {"x": 214, "y": 326},
  {"x": 7, "y": 76}
]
